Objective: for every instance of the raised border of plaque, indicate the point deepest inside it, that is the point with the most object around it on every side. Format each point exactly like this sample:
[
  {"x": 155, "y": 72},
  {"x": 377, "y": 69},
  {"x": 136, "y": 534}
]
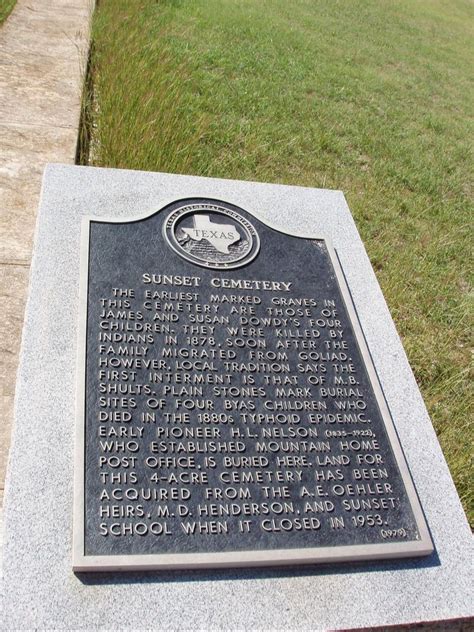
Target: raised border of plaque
[{"x": 246, "y": 558}]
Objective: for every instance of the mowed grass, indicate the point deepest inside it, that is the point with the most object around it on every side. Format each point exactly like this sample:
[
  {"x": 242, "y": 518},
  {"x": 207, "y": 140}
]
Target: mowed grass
[
  {"x": 6, "y": 7},
  {"x": 374, "y": 98}
]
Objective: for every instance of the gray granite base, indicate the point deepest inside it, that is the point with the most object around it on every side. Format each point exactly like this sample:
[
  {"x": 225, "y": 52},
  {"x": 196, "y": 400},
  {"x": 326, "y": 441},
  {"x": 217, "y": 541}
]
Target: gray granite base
[{"x": 40, "y": 589}]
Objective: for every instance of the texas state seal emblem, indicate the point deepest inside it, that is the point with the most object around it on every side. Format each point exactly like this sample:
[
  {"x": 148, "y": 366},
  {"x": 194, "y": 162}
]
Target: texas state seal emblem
[{"x": 211, "y": 234}]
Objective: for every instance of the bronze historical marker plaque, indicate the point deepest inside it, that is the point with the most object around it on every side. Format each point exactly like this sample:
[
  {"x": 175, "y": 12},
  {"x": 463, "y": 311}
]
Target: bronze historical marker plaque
[{"x": 229, "y": 413}]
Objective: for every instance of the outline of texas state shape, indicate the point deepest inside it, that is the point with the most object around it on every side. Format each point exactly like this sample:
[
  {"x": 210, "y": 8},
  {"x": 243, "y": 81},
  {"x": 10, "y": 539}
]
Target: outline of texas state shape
[{"x": 221, "y": 236}]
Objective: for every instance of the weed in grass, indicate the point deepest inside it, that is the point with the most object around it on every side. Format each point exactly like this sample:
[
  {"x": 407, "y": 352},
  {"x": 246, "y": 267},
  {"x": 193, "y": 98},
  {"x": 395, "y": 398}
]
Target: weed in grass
[
  {"x": 140, "y": 117},
  {"x": 6, "y": 7},
  {"x": 374, "y": 98}
]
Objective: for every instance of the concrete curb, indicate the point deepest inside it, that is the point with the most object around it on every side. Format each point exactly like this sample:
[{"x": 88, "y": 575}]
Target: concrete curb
[{"x": 43, "y": 54}]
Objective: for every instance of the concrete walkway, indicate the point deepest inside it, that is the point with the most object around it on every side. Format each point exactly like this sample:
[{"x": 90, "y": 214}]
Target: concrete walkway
[{"x": 43, "y": 54}]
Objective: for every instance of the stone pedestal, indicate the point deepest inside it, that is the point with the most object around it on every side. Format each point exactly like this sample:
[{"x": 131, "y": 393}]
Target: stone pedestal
[{"x": 40, "y": 588}]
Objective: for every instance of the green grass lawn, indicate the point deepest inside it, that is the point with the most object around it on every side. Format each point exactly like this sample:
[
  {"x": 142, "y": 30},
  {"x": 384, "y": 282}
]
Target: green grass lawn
[
  {"x": 6, "y": 7},
  {"x": 371, "y": 97}
]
